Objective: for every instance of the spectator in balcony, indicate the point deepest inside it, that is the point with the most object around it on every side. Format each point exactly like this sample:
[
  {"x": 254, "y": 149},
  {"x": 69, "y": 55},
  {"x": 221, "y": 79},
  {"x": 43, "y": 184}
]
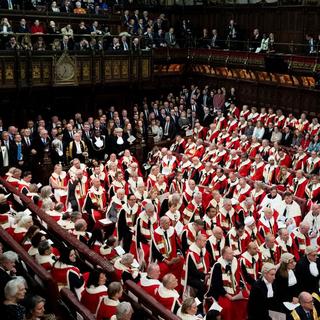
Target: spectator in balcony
[
  {"x": 131, "y": 27},
  {"x": 135, "y": 16},
  {"x": 23, "y": 28},
  {"x": 66, "y": 43},
  {"x": 204, "y": 41},
  {"x": 135, "y": 45},
  {"x": 37, "y": 28},
  {"x": 54, "y": 8},
  {"x": 56, "y": 46},
  {"x": 12, "y": 44},
  {"x": 95, "y": 30},
  {"x": 78, "y": 9},
  {"x": 66, "y": 6},
  {"x": 96, "y": 45},
  {"x": 264, "y": 46},
  {"x": 311, "y": 45},
  {"x": 125, "y": 18},
  {"x": 52, "y": 29},
  {"x": 159, "y": 39},
  {"x": 115, "y": 46},
  {"x": 255, "y": 40},
  {"x": 40, "y": 45},
  {"x": 83, "y": 45},
  {"x": 233, "y": 35},
  {"x": 82, "y": 28},
  {"x": 171, "y": 39},
  {"x": 7, "y": 4},
  {"x": 124, "y": 44},
  {"x": 14, "y": 292},
  {"x": 67, "y": 31},
  {"x": 271, "y": 43},
  {"x": 215, "y": 42},
  {"x": 5, "y": 26},
  {"x": 140, "y": 26},
  {"x": 148, "y": 39}
]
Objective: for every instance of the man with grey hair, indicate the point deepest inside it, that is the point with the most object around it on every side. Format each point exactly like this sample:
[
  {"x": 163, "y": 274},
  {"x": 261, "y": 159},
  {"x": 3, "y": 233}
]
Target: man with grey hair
[
  {"x": 124, "y": 311},
  {"x": 194, "y": 210},
  {"x": 146, "y": 223},
  {"x": 7, "y": 269},
  {"x": 308, "y": 270},
  {"x": 309, "y": 308},
  {"x": 150, "y": 283},
  {"x": 165, "y": 248},
  {"x": 261, "y": 298},
  {"x": 125, "y": 268}
]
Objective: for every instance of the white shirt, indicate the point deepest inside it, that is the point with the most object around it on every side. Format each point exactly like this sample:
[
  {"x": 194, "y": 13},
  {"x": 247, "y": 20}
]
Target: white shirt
[
  {"x": 269, "y": 287},
  {"x": 313, "y": 269},
  {"x": 292, "y": 280},
  {"x": 78, "y": 146}
]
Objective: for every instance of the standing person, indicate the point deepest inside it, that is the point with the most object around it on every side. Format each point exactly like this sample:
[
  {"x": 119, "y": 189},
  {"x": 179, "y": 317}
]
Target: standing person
[{"x": 261, "y": 297}]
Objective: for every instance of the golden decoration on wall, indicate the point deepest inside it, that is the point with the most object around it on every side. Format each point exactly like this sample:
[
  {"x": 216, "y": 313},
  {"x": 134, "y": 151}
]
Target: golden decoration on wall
[
  {"x": 46, "y": 72},
  {"x": 65, "y": 70},
  {"x": 116, "y": 69},
  {"x": 124, "y": 69},
  {"x": 107, "y": 70},
  {"x": 97, "y": 71},
  {"x": 9, "y": 73},
  {"x": 86, "y": 71},
  {"x": 145, "y": 69}
]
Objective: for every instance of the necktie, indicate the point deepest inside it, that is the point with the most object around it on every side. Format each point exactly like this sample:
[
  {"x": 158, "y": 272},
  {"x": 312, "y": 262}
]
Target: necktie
[
  {"x": 167, "y": 239},
  {"x": 272, "y": 255},
  {"x": 149, "y": 224},
  {"x": 308, "y": 314},
  {"x": 270, "y": 225},
  {"x": 28, "y": 142},
  {"x": 19, "y": 153}
]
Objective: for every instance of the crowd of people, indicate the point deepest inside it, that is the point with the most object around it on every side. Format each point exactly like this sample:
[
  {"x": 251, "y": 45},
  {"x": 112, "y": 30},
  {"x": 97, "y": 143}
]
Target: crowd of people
[{"x": 220, "y": 218}]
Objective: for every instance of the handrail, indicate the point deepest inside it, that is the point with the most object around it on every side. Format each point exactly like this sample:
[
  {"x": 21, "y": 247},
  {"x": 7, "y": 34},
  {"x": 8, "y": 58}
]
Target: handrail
[
  {"x": 75, "y": 304},
  {"x": 50, "y": 284},
  {"x": 90, "y": 255},
  {"x": 149, "y": 302}
]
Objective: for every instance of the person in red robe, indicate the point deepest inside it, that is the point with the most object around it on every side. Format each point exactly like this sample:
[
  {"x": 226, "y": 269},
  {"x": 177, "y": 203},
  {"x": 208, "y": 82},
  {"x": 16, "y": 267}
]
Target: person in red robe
[
  {"x": 225, "y": 287},
  {"x": 167, "y": 295},
  {"x": 196, "y": 268},
  {"x": 94, "y": 290},
  {"x": 166, "y": 249},
  {"x": 108, "y": 305},
  {"x": 299, "y": 185},
  {"x": 150, "y": 282}
]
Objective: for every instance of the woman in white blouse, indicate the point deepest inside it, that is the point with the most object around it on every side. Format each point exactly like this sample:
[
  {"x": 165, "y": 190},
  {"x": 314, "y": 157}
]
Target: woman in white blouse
[
  {"x": 258, "y": 131},
  {"x": 286, "y": 284}
]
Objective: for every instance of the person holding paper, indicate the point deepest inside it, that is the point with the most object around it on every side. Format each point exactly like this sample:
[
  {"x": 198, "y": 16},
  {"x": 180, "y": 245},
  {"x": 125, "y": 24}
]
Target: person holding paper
[
  {"x": 286, "y": 283},
  {"x": 262, "y": 294},
  {"x": 309, "y": 308}
]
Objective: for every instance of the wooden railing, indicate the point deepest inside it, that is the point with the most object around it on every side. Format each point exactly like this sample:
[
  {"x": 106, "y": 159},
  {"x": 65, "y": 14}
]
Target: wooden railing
[{"x": 93, "y": 258}]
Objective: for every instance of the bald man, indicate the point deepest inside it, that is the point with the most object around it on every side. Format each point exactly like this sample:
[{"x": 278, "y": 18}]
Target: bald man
[
  {"x": 215, "y": 244},
  {"x": 308, "y": 309}
]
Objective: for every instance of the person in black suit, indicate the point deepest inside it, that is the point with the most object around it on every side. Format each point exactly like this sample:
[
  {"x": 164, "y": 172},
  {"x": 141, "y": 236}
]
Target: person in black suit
[
  {"x": 98, "y": 146},
  {"x": 124, "y": 45},
  {"x": 262, "y": 294},
  {"x": 19, "y": 152},
  {"x": 268, "y": 132},
  {"x": 207, "y": 117},
  {"x": 308, "y": 270},
  {"x": 309, "y": 308},
  {"x": 168, "y": 129},
  {"x": 40, "y": 146},
  {"x": 286, "y": 283},
  {"x": 118, "y": 143},
  {"x": 8, "y": 143},
  {"x": 286, "y": 137},
  {"x": 68, "y": 133},
  {"x": 23, "y": 28}
]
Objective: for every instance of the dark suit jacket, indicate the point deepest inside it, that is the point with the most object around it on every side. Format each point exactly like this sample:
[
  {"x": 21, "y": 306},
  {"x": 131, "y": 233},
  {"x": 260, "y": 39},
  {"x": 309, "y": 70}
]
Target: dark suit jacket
[
  {"x": 258, "y": 303},
  {"x": 14, "y": 151},
  {"x": 4, "y": 279},
  {"x": 171, "y": 131},
  {"x": 302, "y": 314},
  {"x": 307, "y": 282},
  {"x": 286, "y": 141}
]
